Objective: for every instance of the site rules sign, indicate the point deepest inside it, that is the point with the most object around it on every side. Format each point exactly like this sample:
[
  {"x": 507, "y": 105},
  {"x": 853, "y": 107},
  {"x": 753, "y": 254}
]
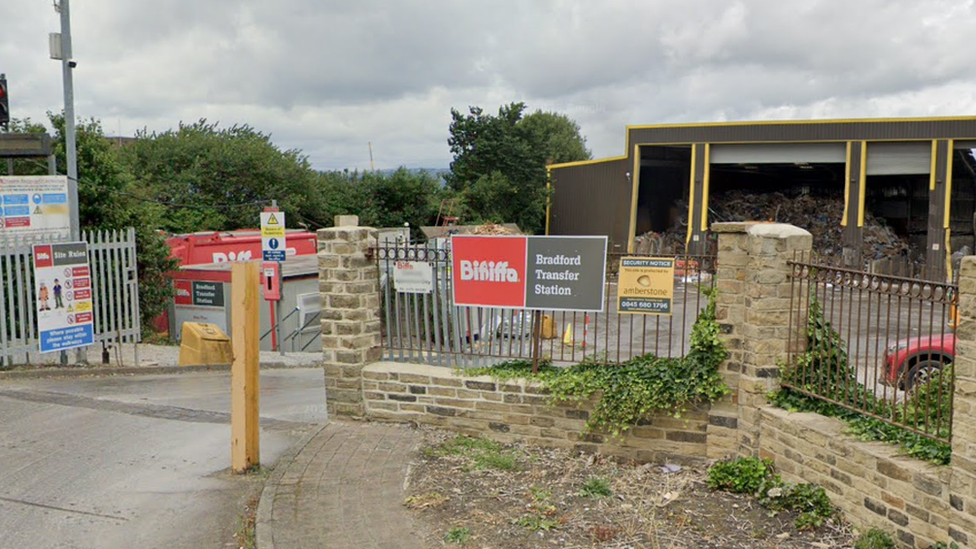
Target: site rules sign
[
  {"x": 558, "y": 273},
  {"x": 645, "y": 285},
  {"x": 63, "y": 290},
  {"x": 273, "y": 236}
]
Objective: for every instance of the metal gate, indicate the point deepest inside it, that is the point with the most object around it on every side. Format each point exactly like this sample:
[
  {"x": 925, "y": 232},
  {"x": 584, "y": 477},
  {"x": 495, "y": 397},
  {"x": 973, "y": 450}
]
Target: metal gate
[{"x": 115, "y": 293}]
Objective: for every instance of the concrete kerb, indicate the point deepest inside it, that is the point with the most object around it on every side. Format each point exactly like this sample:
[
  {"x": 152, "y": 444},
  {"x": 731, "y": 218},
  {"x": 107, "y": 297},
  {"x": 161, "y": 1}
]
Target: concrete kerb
[
  {"x": 263, "y": 530},
  {"x": 98, "y": 371}
]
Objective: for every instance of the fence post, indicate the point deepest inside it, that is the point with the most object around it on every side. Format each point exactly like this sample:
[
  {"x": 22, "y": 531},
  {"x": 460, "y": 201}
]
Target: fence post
[
  {"x": 962, "y": 487},
  {"x": 753, "y": 311},
  {"x": 350, "y": 289}
]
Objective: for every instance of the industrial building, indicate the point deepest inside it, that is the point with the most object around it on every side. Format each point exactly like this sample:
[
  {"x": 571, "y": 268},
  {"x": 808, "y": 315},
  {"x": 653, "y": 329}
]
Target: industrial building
[{"x": 915, "y": 174}]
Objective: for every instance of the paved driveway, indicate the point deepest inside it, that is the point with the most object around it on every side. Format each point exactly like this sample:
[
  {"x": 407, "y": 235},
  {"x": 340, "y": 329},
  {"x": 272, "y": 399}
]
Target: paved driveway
[{"x": 122, "y": 462}]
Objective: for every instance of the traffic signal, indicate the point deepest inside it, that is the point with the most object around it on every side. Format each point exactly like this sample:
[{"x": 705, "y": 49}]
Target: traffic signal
[{"x": 4, "y": 102}]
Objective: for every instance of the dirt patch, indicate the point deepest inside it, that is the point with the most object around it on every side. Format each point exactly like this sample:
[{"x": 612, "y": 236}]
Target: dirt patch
[{"x": 477, "y": 494}]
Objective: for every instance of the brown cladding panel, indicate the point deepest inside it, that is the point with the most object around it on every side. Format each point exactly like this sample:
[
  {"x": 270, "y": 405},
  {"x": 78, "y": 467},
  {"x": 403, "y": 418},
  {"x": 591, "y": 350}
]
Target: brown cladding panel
[
  {"x": 592, "y": 199},
  {"x": 807, "y": 132}
]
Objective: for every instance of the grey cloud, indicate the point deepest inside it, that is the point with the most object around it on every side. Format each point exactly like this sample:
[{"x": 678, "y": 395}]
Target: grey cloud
[{"x": 329, "y": 76}]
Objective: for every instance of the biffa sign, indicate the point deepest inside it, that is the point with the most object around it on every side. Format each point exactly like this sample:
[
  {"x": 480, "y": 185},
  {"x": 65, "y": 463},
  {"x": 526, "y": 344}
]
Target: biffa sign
[{"x": 530, "y": 272}]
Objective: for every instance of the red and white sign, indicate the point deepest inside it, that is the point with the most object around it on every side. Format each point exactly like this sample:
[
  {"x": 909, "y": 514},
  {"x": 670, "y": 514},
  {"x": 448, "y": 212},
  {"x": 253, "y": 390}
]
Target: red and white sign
[
  {"x": 43, "y": 257},
  {"x": 489, "y": 271},
  {"x": 184, "y": 295}
]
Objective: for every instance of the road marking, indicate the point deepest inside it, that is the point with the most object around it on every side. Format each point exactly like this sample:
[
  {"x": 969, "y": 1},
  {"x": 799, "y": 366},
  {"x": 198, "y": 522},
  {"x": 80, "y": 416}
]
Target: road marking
[{"x": 56, "y": 508}]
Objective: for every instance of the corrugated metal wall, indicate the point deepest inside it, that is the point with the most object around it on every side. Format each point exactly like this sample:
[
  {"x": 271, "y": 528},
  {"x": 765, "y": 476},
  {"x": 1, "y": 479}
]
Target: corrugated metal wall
[
  {"x": 806, "y": 131},
  {"x": 592, "y": 199}
]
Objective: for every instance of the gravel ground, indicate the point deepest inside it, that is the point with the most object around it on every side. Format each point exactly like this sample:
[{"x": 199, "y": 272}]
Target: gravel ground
[
  {"x": 151, "y": 356},
  {"x": 481, "y": 495}
]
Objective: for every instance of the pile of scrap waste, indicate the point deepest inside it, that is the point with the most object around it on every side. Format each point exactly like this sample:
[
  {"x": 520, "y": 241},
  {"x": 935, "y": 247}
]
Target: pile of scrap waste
[
  {"x": 821, "y": 215},
  {"x": 492, "y": 229}
]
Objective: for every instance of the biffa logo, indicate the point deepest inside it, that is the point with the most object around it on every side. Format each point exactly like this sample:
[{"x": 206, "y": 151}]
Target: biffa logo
[{"x": 488, "y": 271}]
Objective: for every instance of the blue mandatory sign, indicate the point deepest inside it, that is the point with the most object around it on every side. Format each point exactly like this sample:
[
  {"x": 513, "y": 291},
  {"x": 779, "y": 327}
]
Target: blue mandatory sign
[
  {"x": 273, "y": 243},
  {"x": 36, "y": 198}
]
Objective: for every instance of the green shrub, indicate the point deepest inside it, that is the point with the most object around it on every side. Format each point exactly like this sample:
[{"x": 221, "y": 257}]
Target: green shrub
[
  {"x": 755, "y": 476},
  {"x": 740, "y": 476}
]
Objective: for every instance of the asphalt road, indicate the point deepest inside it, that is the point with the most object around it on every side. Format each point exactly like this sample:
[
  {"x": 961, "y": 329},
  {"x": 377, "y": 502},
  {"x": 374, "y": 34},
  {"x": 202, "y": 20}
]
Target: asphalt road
[{"x": 123, "y": 462}]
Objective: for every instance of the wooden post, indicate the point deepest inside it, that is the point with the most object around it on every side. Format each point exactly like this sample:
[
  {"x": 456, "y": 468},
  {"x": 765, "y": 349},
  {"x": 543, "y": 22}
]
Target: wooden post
[{"x": 244, "y": 383}]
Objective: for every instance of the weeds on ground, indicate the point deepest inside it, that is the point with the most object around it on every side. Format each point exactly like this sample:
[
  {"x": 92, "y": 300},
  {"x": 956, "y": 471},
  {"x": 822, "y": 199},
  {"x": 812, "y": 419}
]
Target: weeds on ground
[
  {"x": 483, "y": 453},
  {"x": 596, "y": 488},
  {"x": 874, "y": 539},
  {"x": 245, "y": 534},
  {"x": 459, "y": 535},
  {"x": 537, "y": 523},
  {"x": 424, "y": 501},
  {"x": 756, "y": 476}
]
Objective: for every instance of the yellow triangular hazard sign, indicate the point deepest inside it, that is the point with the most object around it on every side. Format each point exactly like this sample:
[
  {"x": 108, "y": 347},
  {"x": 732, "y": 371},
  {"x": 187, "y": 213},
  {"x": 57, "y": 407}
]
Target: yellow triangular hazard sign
[
  {"x": 38, "y": 210},
  {"x": 272, "y": 220},
  {"x": 71, "y": 309}
]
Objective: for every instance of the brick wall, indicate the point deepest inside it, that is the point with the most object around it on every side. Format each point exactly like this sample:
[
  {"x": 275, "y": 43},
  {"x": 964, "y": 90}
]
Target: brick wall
[
  {"x": 870, "y": 481},
  {"x": 510, "y": 410}
]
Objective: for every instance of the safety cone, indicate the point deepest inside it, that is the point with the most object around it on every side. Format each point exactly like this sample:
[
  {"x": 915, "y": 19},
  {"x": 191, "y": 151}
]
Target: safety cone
[{"x": 568, "y": 335}]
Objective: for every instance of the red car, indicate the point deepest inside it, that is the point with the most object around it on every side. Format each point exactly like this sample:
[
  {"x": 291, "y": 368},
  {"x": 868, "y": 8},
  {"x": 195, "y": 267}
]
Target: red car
[{"x": 912, "y": 361}]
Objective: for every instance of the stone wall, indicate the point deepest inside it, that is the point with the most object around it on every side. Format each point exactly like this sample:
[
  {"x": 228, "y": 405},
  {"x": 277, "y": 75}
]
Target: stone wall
[
  {"x": 349, "y": 285},
  {"x": 871, "y": 482},
  {"x": 753, "y": 310},
  {"x": 510, "y": 410}
]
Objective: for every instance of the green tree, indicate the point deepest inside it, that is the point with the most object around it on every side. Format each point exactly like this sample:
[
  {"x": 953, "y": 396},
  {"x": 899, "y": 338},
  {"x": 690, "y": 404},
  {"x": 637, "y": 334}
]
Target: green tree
[
  {"x": 213, "y": 178},
  {"x": 558, "y": 135},
  {"x": 110, "y": 199},
  {"x": 398, "y": 198},
  {"x": 499, "y": 166}
]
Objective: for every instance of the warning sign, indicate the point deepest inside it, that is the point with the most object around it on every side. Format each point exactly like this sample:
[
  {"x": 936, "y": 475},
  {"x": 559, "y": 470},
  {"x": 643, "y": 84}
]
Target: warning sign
[
  {"x": 34, "y": 207},
  {"x": 273, "y": 236},
  {"x": 645, "y": 285}
]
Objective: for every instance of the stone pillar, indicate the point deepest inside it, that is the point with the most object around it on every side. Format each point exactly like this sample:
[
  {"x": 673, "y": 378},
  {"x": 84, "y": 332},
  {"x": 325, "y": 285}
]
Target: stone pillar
[
  {"x": 350, "y": 288},
  {"x": 753, "y": 311},
  {"x": 962, "y": 487}
]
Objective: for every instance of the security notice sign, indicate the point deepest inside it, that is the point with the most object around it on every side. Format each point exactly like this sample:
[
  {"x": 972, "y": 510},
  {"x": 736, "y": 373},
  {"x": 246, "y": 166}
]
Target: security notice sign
[
  {"x": 33, "y": 206},
  {"x": 559, "y": 273},
  {"x": 63, "y": 290},
  {"x": 645, "y": 285},
  {"x": 273, "y": 236},
  {"x": 413, "y": 277}
]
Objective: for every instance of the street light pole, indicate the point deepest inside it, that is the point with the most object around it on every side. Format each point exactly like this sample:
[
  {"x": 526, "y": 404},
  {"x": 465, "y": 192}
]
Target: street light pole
[{"x": 67, "y": 66}]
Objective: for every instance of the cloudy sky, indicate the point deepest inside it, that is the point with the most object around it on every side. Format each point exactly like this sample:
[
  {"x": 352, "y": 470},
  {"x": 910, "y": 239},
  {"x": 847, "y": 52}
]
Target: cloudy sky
[{"x": 329, "y": 76}]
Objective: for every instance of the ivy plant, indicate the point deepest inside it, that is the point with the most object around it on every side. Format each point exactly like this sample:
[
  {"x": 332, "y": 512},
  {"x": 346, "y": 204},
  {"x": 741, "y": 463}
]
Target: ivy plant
[
  {"x": 639, "y": 388},
  {"x": 824, "y": 369}
]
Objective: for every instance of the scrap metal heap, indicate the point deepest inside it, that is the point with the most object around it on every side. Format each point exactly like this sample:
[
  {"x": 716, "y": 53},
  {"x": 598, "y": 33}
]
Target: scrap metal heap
[{"x": 821, "y": 215}]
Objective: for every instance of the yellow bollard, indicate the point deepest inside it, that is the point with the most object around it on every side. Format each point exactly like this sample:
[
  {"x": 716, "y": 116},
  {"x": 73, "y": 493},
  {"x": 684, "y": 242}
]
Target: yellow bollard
[{"x": 244, "y": 379}]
